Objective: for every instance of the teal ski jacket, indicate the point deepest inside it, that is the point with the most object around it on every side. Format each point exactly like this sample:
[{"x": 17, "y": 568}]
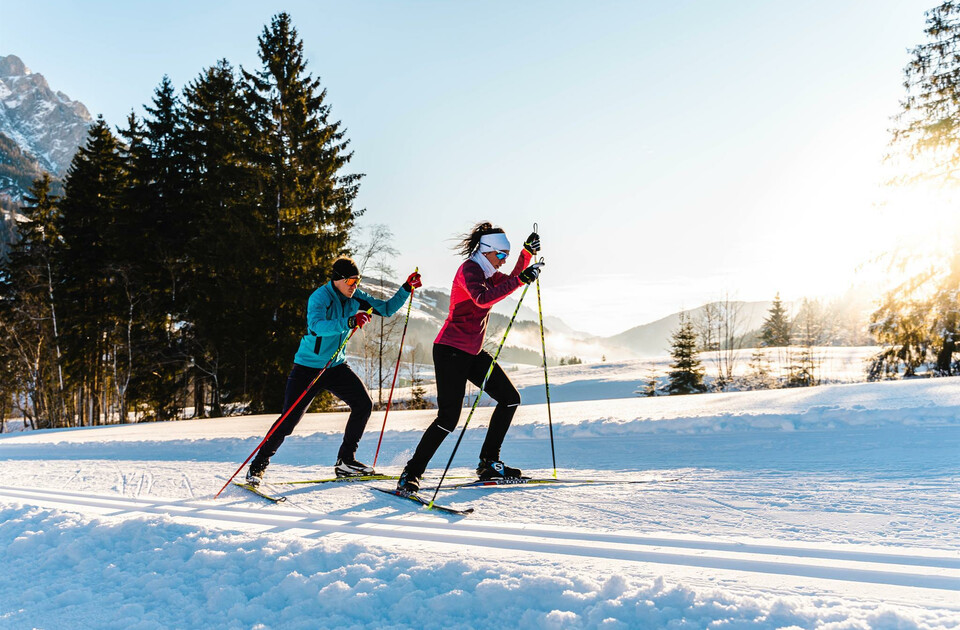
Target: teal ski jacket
[{"x": 327, "y": 314}]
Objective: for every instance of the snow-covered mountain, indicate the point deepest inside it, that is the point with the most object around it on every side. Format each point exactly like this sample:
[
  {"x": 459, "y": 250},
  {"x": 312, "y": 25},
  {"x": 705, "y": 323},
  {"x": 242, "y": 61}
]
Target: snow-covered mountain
[{"x": 44, "y": 125}]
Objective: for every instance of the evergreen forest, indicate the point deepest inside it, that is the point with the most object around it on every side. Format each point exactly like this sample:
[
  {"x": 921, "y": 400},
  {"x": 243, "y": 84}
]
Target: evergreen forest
[{"x": 171, "y": 271}]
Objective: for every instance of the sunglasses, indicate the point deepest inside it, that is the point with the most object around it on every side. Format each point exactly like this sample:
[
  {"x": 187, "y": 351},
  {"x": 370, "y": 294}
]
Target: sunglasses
[
  {"x": 501, "y": 255},
  {"x": 352, "y": 282}
]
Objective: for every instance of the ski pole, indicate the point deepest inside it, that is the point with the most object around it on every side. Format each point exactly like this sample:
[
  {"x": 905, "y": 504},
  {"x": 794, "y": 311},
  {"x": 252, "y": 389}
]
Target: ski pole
[
  {"x": 546, "y": 382},
  {"x": 395, "y": 372},
  {"x": 479, "y": 394},
  {"x": 283, "y": 417}
]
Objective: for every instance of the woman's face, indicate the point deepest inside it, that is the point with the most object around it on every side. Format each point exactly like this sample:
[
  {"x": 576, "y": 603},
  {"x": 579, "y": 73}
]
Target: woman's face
[{"x": 495, "y": 260}]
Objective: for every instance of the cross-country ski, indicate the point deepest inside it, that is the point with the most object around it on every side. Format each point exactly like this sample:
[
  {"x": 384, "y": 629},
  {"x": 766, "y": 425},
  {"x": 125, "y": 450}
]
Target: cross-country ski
[
  {"x": 416, "y": 498},
  {"x": 351, "y": 479},
  {"x": 530, "y": 481},
  {"x": 261, "y": 493}
]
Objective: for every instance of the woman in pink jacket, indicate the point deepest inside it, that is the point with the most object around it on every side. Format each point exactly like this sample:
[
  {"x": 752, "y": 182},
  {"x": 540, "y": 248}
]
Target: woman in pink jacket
[{"x": 458, "y": 354}]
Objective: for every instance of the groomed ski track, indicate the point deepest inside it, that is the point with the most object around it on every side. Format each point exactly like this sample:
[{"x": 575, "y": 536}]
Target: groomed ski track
[{"x": 921, "y": 569}]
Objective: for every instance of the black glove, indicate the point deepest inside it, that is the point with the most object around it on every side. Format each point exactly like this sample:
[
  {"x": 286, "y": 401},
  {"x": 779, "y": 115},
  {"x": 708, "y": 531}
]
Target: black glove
[
  {"x": 531, "y": 273},
  {"x": 532, "y": 244}
]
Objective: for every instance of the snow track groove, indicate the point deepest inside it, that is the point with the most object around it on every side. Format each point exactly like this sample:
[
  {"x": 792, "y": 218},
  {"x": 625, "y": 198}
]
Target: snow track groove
[{"x": 924, "y": 569}]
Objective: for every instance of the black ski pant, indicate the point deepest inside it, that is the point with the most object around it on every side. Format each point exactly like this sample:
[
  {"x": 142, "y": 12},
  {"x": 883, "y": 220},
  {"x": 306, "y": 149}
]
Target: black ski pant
[
  {"x": 340, "y": 381},
  {"x": 454, "y": 368}
]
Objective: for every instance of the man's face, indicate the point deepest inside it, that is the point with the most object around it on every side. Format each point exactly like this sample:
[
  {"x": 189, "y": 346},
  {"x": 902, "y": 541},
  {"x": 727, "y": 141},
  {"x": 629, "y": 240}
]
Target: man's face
[{"x": 347, "y": 286}]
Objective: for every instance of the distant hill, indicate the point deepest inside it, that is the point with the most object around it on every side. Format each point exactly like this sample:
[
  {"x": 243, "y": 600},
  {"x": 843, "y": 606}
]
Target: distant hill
[
  {"x": 654, "y": 338},
  {"x": 524, "y": 345}
]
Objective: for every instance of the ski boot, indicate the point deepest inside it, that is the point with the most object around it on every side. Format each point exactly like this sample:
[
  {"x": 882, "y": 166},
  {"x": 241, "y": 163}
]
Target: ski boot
[
  {"x": 349, "y": 467},
  {"x": 255, "y": 473},
  {"x": 491, "y": 469},
  {"x": 408, "y": 482}
]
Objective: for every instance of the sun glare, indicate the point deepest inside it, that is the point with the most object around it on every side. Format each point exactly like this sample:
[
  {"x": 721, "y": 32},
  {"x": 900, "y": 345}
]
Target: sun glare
[
  {"x": 921, "y": 231},
  {"x": 921, "y": 218}
]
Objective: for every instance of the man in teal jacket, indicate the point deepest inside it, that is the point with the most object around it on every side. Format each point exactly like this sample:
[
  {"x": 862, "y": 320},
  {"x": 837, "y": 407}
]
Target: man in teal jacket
[{"x": 332, "y": 311}]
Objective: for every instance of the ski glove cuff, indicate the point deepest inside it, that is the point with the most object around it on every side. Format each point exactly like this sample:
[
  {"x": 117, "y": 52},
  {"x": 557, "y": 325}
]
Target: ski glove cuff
[
  {"x": 531, "y": 273},
  {"x": 358, "y": 320},
  {"x": 532, "y": 244}
]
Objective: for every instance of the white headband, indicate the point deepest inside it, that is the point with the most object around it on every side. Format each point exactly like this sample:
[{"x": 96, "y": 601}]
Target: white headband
[{"x": 494, "y": 243}]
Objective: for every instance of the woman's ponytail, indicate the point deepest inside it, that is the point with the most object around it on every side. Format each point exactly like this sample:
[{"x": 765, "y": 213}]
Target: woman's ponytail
[{"x": 470, "y": 241}]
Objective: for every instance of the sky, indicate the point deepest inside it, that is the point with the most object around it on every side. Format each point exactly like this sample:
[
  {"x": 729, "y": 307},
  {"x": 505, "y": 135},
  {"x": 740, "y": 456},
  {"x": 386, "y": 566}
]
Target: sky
[{"x": 671, "y": 153}]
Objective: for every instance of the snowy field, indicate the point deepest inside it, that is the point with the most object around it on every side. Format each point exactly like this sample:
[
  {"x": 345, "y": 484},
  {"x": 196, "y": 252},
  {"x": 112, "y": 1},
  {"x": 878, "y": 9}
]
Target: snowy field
[
  {"x": 625, "y": 379},
  {"x": 832, "y": 507}
]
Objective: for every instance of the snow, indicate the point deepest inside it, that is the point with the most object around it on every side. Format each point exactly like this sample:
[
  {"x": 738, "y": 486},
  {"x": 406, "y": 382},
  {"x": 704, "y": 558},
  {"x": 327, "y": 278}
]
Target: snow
[
  {"x": 828, "y": 507},
  {"x": 625, "y": 379}
]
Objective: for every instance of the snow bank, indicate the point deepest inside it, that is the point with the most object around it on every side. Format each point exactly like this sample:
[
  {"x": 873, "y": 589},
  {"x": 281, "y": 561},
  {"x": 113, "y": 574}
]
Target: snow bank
[
  {"x": 62, "y": 570},
  {"x": 814, "y": 419}
]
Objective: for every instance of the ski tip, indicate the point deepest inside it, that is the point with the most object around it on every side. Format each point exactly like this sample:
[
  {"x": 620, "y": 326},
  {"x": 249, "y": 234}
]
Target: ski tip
[
  {"x": 261, "y": 493},
  {"x": 448, "y": 510}
]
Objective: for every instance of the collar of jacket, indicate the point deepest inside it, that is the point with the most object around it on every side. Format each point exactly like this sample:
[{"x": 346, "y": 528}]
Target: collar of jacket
[
  {"x": 480, "y": 259},
  {"x": 336, "y": 292}
]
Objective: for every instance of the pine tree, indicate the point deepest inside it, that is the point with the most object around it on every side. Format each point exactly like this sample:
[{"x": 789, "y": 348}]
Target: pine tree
[
  {"x": 155, "y": 197},
  {"x": 758, "y": 371},
  {"x": 650, "y": 384},
  {"x": 775, "y": 331},
  {"x": 308, "y": 196},
  {"x": 418, "y": 395},
  {"x": 93, "y": 228},
  {"x": 925, "y": 145},
  {"x": 902, "y": 327},
  {"x": 808, "y": 329},
  {"x": 227, "y": 244},
  {"x": 162, "y": 161},
  {"x": 927, "y": 132},
  {"x": 687, "y": 374},
  {"x": 29, "y": 329}
]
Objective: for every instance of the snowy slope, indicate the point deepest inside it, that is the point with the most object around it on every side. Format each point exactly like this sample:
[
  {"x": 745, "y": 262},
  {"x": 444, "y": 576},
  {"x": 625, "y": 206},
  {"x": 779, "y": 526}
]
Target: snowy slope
[{"x": 829, "y": 507}]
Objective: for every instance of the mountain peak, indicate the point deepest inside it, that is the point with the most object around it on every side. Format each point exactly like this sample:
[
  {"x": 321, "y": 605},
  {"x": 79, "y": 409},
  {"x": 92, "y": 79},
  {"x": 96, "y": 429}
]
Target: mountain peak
[
  {"x": 45, "y": 124},
  {"x": 13, "y": 66}
]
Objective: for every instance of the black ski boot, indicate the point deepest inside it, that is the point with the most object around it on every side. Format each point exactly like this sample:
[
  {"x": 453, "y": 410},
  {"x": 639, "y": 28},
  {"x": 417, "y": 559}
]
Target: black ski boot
[
  {"x": 408, "y": 482},
  {"x": 491, "y": 469},
  {"x": 255, "y": 473},
  {"x": 349, "y": 467}
]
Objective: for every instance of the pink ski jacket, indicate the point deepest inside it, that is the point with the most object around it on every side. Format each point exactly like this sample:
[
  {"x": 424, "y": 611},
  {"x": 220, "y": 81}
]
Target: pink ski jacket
[{"x": 471, "y": 299}]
